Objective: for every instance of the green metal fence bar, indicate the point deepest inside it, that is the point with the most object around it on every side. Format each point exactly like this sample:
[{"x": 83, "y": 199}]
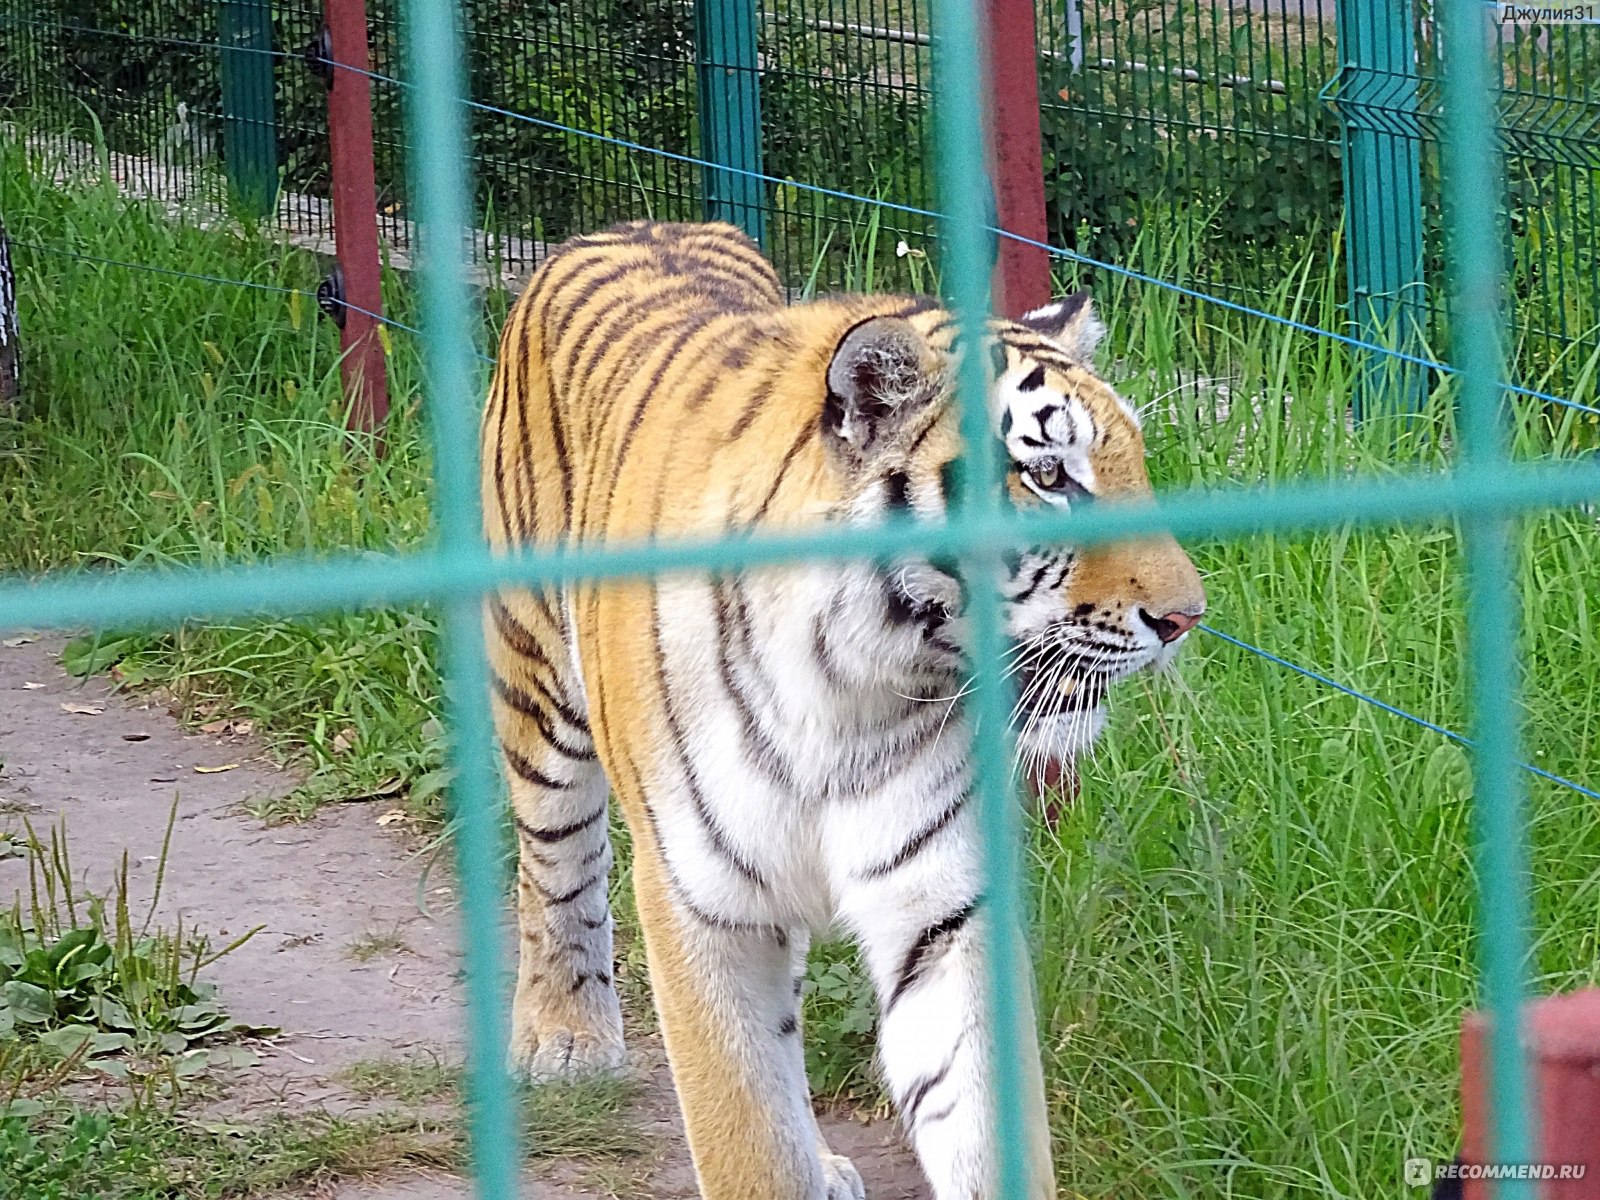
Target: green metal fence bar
[
  {"x": 149, "y": 595},
  {"x": 1483, "y": 493},
  {"x": 1383, "y": 203},
  {"x": 728, "y": 68},
  {"x": 963, "y": 190},
  {"x": 437, "y": 127},
  {"x": 1472, "y": 183},
  {"x": 249, "y": 109}
]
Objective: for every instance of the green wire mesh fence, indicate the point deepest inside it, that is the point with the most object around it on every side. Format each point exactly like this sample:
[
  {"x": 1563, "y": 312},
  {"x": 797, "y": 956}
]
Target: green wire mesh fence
[
  {"x": 1201, "y": 123},
  {"x": 527, "y": 190}
]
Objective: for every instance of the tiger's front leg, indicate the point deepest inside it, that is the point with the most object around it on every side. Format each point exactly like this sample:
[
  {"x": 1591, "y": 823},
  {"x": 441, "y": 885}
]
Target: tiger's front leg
[
  {"x": 911, "y": 892},
  {"x": 728, "y": 996}
]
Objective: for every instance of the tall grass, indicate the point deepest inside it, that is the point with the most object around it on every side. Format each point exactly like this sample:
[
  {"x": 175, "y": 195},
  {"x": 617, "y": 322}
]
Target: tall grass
[{"x": 1255, "y": 928}]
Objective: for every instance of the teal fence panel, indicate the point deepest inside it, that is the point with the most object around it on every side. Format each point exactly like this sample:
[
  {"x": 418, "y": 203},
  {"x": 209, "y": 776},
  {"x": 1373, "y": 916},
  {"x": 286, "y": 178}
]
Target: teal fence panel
[
  {"x": 1383, "y": 204},
  {"x": 728, "y": 65},
  {"x": 249, "y": 109}
]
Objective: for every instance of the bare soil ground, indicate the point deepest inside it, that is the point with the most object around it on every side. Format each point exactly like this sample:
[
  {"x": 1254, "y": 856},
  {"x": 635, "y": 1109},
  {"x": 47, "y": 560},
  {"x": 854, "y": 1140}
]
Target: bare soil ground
[{"x": 356, "y": 958}]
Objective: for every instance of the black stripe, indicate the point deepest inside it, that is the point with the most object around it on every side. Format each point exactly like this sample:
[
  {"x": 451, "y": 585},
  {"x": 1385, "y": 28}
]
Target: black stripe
[
  {"x": 527, "y": 771},
  {"x": 900, "y": 754},
  {"x": 918, "y": 304},
  {"x": 919, "y": 1090},
  {"x": 524, "y": 485},
  {"x": 733, "y": 348},
  {"x": 911, "y": 965},
  {"x": 525, "y": 704},
  {"x": 820, "y": 649},
  {"x": 558, "y": 438},
  {"x": 758, "y": 747},
  {"x": 562, "y": 304},
  {"x": 945, "y": 325},
  {"x": 498, "y": 394},
  {"x": 522, "y": 641},
  {"x": 715, "y": 834},
  {"x": 561, "y": 832},
  {"x": 603, "y": 978},
  {"x": 922, "y": 434},
  {"x": 807, "y": 433},
  {"x": 587, "y": 347},
  {"x": 686, "y": 334},
  {"x": 915, "y": 844},
  {"x": 574, "y": 305},
  {"x": 760, "y": 396},
  {"x": 738, "y": 261},
  {"x": 568, "y": 897},
  {"x": 1033, "y": 584}
]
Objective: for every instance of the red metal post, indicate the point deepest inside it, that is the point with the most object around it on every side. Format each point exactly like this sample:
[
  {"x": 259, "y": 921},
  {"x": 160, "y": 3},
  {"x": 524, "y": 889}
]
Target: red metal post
[
  {"x": 1561, "y": 1035},
  {"x": 355, "y": 214},
  {"x": 1022, "y": 272}
]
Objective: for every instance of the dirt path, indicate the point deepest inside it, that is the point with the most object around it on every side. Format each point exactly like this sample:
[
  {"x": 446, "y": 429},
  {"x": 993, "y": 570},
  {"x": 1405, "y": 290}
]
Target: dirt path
[{"x": 325, "y": 893}]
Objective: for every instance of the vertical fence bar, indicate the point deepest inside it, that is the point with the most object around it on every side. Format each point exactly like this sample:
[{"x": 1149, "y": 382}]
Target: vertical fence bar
[
  {"x": 1473, "y": 187},
  {"x": 355, "y": 216},
  {"x": 1383, "y": 200},
  {"x": 1022, "y": 272},
  {"x": 438, "y": 137},
  {"x": 728, "y": 67},
  {"x": 959, "y": 58},
  {"x": 249, "y": 105}
]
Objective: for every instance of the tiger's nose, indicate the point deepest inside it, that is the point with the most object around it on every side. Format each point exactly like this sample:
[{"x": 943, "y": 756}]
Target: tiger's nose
[{"x": 1171, "y": 626}]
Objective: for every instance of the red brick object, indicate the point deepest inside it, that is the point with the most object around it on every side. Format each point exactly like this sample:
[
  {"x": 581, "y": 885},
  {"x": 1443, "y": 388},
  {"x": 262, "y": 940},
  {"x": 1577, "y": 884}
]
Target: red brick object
[{"x": 1561, "y": 1035}]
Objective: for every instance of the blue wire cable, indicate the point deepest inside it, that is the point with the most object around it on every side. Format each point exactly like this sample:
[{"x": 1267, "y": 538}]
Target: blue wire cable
[
  {"x": 1072, "y": 256},
  {"x": 1460, "y": 739}
]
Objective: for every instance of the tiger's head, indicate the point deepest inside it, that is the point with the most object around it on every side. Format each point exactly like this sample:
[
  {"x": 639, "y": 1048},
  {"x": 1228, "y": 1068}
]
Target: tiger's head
[{"x": 1077, "y": 619}]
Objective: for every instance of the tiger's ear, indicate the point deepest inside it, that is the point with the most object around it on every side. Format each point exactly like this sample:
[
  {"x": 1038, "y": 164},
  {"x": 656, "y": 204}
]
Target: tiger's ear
[
  {"x": 882, "y": 373},
  {"x": 1071, "y": 323}
]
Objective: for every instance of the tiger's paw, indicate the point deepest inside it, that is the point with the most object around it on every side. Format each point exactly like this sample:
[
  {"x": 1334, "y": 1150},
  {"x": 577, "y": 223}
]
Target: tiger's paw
[
  {"x": 563, "y": 1056},
  {"x": 843, "y": 1183}
]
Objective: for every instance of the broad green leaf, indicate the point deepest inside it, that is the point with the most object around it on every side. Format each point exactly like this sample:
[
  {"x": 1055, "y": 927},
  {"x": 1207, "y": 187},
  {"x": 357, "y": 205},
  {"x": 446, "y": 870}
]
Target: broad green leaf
[
  {"x": 67, "y": 1040},
  {"x": 29, "y": 1004},
  {"x": 110, "y": 1013},
  {"x": 111, "y": 1043}
]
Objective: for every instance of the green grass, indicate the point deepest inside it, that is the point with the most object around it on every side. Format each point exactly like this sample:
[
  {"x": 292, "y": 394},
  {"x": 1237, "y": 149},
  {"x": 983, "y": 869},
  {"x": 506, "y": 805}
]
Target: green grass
[
  {"x": 1256, "y": 928},
  {"x": 141, "y": 1152},
  {"x": 412, "y": 1079}
]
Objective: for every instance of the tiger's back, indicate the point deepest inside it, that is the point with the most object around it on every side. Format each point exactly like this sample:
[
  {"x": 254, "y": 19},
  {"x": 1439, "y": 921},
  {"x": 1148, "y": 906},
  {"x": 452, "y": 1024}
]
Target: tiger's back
[{"x": 613, "y": 332}]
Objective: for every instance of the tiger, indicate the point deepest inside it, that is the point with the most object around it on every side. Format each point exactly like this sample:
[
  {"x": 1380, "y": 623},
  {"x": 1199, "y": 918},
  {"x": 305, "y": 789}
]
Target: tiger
[{"x": 787, "y": 744}]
